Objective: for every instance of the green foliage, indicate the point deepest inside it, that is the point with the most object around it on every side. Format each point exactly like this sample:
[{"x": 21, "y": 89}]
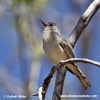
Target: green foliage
[{"x": 34, "y": 6}]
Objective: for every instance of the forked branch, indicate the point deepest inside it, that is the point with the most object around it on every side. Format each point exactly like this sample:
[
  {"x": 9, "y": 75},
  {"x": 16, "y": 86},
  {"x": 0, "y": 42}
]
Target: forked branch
[{"x": 42, "y": 90}]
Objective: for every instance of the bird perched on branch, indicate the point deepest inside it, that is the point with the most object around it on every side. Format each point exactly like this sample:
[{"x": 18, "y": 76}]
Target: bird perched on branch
[{"x": 57, "y": 48}]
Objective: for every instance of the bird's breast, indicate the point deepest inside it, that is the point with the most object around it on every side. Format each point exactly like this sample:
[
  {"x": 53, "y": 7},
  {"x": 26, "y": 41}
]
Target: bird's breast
[{"x": 55, "y": 52}]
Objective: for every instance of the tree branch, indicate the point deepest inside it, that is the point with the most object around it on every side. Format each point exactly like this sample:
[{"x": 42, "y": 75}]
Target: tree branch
[
  {"x": 42, "y": 90},
  {"x": 83, "y": 22},
  {"x": 83, "y": 60}
]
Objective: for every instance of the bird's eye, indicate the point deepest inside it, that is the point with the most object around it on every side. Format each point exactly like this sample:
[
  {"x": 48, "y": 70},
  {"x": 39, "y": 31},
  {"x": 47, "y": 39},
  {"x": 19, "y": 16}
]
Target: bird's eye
[{"x": 51, "y": 24}]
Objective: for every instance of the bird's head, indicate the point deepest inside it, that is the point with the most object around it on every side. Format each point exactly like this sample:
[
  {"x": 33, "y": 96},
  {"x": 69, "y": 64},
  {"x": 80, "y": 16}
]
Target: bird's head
[{"x": 50, "y": 26}]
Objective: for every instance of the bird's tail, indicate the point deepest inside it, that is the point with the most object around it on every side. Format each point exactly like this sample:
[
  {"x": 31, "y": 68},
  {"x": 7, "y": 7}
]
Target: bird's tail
[{"x": 82, "y": 78}]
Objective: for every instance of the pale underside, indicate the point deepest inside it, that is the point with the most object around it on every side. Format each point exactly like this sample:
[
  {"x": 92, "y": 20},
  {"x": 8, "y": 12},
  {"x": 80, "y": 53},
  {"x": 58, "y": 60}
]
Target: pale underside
[{"x": 55, "y": 53}]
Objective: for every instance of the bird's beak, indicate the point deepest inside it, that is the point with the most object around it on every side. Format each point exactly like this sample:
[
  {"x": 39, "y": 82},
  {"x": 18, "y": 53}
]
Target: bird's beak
[{"x": 43, "y": 24}]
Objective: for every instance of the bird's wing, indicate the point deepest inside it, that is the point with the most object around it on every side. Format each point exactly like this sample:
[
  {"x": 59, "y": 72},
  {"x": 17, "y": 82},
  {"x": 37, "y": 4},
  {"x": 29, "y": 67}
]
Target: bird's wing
[{"x": 67, "y": 48}]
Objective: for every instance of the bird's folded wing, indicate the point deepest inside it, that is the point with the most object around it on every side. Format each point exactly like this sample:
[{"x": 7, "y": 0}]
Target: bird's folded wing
[{"x": 67, "y": 48}]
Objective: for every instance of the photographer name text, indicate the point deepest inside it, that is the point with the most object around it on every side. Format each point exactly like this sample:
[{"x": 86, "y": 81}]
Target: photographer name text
[{"x": 14, "y": 96}]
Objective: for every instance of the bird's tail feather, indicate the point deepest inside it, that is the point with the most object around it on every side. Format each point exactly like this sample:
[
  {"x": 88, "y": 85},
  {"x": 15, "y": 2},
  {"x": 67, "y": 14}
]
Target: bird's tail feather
[
  {"x": 81, "y": 77},
  {"x": 84, "y": 82}
]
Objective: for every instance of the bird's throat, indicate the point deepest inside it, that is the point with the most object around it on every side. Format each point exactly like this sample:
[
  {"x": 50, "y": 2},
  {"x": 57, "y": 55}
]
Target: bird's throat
[{"x": 47, "y": 37}]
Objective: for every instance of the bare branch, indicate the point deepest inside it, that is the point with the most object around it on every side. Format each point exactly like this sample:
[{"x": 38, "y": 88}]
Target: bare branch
[
  {"x": 59, "y": 83},
  {"x": 83, "y": 22},
  {"x": 46, "y": 83},
  {"x": 42, "y": 90},
  {"x": 83, "y": 60},
  {"x": 40, "y": 93},
  {"x": 35, "y": 94}
]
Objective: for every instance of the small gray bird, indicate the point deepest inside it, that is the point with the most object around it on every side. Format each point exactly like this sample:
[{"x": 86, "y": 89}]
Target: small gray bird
[{"x": 57, "y": 48}]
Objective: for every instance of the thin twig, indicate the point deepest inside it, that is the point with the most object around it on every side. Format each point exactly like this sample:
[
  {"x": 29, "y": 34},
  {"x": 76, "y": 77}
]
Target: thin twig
[{"x": 83, "y": 60}]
